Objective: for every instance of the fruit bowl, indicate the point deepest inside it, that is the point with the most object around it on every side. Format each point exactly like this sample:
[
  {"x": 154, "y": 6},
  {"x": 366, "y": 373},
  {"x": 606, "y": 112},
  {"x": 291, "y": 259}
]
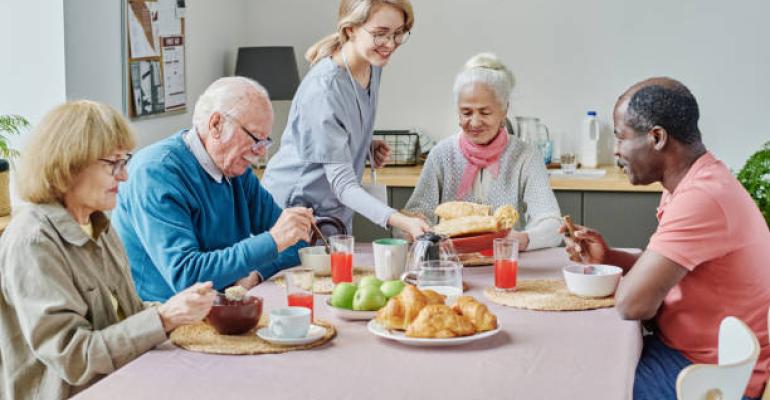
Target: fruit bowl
[
  {"x": 477, "y": 243},
  {"x": 351, "y": 315}
]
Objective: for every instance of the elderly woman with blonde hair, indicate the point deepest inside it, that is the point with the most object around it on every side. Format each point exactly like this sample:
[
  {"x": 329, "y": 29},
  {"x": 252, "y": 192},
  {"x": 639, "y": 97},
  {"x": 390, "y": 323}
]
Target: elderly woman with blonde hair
[
  {"x": 484, "y": 164},
  {"x": 69, "y": 312}
]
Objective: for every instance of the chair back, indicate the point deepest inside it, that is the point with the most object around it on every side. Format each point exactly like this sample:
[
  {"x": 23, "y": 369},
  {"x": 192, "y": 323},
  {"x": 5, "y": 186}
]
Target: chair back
[{"x": 738, "y": 352}]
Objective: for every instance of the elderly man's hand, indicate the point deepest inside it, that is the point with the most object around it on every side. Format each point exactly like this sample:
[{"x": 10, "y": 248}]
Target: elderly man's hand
[
  {"x": 381, "y": 152},
  {"x": 587, "y": 246},
  {"x": 249, "y": 281},
  {"x": 187, "y": 307},
  {"x": 292, "y": 226}
]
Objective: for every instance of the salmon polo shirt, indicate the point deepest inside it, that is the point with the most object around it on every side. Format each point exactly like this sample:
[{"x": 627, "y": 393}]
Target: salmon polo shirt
[{"x": 711, "y": 226}]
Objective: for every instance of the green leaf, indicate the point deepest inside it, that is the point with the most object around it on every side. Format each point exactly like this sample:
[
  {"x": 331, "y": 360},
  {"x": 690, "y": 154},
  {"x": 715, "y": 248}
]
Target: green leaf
[
  {"x": 11, "y": 125},
  {"x": 755, "y": 177}
]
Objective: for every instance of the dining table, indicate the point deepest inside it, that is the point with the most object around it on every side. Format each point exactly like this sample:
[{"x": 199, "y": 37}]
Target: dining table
[{"x": 536, "y": 355}]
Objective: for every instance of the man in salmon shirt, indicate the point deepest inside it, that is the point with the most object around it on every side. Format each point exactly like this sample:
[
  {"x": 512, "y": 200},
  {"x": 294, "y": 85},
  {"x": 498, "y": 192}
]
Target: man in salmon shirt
[{"x": 709, "y": 257}]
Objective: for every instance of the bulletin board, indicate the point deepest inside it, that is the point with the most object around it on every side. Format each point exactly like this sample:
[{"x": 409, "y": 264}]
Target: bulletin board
[{"x": 154, "y": 54}]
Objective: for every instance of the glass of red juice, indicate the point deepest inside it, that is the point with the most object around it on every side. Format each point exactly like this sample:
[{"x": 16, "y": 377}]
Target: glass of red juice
[
  {"x": 342, "y": 257},
  {"x": 299, "y": 288},
  {"x": 506, "y": 252}
]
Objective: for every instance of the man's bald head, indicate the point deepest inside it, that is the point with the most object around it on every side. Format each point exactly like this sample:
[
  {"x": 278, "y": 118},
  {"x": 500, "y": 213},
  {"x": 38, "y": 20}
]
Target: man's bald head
[{"x": 663, "y": 102}]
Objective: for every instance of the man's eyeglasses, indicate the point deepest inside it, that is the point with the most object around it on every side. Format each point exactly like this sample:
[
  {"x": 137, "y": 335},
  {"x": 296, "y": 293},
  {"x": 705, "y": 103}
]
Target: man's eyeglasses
[
  {"x": 382, "y": 39},
  {"x": 259, "y": 144},
  {"x": 117, "y": 166}
]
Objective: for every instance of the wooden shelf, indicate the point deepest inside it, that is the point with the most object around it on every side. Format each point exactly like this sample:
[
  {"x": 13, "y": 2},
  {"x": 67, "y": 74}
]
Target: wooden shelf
[{"x": 4, "y": 221}]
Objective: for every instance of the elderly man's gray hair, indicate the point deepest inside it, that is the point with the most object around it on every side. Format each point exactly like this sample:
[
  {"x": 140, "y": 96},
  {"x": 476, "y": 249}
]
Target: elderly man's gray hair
[
  {"x": 227, "y": 95},
  {"x": 487, "y": 69}
]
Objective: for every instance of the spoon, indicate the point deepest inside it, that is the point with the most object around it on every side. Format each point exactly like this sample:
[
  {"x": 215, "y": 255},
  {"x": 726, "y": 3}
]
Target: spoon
[{"x": 326, "y": 243}]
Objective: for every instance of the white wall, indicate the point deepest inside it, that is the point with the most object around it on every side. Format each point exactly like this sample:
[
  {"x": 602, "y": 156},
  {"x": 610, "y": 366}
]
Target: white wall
[
  {"x": 213, "y": 29},
  {"x": 31, "y": 63},
  {"x": 32, "y": 57},
  {"x": 568, "y": 57}
]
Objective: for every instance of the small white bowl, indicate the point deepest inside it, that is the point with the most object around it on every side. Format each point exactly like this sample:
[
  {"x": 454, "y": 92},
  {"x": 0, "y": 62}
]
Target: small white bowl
[
  {"x": 315, "y": 258},
  {"x": 592, "y": 280}
]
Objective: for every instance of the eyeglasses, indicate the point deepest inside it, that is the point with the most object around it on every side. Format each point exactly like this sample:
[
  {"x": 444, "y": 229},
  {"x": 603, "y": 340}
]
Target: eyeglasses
[
  {"x": 382, "y": 39},
  {"x": 259, "y": 144},
  {"x": 117, "y": 166}
]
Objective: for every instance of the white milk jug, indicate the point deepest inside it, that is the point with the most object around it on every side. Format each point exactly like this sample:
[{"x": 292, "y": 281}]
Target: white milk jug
[{"x": 589, "y": 141}]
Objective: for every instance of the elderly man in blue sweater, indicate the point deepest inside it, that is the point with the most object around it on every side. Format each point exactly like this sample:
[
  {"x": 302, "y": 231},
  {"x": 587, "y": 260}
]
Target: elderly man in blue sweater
[{"x": 193, "y": 211}]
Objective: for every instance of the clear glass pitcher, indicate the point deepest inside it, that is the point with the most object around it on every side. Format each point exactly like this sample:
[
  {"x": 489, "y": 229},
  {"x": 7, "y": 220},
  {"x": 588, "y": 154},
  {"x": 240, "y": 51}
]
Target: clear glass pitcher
[{"x": 531, "y": 130}]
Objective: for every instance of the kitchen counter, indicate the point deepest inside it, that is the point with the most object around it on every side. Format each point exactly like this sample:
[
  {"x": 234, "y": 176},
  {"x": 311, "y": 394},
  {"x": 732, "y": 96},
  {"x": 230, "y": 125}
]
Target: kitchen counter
[
  {"x": 4, "y": 221},
  {"x": 614, "y": 180}
]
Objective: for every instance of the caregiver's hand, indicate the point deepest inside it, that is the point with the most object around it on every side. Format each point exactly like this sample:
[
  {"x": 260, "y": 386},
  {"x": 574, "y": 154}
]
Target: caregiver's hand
[
  {"x": 412, "y": 227},
  {"x": 381, "y": 152}
]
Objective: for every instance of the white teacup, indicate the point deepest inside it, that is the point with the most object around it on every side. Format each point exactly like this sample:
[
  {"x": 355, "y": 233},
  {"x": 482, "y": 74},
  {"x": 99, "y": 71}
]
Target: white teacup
[
  {"x": 289, "y": 322},
  {"x": 389, "y": 258},
  {"x": 317, "y": 259}
]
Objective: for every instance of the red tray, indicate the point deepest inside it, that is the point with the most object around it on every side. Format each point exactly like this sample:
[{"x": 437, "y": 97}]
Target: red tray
[{"x": 481, "y": 243}]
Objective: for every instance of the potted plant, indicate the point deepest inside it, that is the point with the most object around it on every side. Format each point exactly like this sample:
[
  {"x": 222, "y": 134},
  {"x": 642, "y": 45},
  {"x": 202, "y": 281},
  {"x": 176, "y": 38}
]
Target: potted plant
[
  {"x": 755, "y": 177},
  {"x": 9, "y": 125}
]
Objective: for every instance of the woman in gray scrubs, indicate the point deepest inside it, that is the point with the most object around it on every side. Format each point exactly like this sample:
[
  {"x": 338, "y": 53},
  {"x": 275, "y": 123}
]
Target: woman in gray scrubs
[{"x": 328, "y": 136}]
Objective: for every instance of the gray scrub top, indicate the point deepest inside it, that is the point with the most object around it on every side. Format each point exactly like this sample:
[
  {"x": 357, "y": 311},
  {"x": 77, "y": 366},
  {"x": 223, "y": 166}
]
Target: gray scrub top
[{"x": 324, "y": 127}]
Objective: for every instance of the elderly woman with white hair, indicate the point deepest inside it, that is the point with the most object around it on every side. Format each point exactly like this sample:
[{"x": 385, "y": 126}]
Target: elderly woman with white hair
[
  {"x": 69, "y": 313},
  {"x": 484, "y": 164}
]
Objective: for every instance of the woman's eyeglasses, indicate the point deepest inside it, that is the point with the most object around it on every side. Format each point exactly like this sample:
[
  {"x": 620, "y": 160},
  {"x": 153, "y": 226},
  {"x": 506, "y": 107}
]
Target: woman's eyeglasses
[
  {"x": 259, "y": 144},
  {"x": 117, "y": 166},
  {"x": 382, "y": 39}
]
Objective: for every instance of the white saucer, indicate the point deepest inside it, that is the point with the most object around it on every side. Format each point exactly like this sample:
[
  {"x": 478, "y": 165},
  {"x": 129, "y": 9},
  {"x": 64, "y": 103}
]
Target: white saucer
[
  {"x": 351, "y": 315},
  {"x": 314, "y": 333}
]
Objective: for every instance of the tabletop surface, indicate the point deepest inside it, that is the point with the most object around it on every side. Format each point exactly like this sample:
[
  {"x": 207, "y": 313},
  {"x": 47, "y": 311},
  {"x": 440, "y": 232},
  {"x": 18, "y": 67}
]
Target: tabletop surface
[{"x": 537, "y": 355}]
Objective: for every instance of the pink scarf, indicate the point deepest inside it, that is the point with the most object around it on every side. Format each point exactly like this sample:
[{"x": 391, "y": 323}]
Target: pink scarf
[{"x": 480, "y": 156}]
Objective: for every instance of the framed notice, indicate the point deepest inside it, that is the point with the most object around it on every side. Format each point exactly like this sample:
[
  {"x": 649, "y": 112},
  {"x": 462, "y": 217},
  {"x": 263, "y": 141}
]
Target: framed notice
[{"x": 154, "y": 54}]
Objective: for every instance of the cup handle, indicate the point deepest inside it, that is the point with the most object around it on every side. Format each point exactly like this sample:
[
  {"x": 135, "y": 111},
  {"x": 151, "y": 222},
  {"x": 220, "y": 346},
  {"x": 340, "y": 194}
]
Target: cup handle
[{"x": 277, "y": 328}]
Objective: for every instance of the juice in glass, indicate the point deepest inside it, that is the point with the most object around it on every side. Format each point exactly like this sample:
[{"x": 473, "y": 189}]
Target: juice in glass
[
  {"x": 342, "y": 258},
  {"x": 302, "y": 300},
  {"x": 506, "y": 263},
  {"x": 505, "y": 274},
  {"x": 342, "y": 267}
]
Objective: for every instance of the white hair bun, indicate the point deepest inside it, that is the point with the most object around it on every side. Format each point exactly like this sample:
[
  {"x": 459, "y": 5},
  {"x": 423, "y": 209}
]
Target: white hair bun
[{"x": 492, "y": 62}]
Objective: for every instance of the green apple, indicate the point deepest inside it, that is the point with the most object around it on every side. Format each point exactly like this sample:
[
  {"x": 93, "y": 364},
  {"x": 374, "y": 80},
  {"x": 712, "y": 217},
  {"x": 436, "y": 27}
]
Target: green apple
[
  {"x": 392, "y": 288},
  {"x": 369, "y": 298},
  {"x": 370, "y": 280},
  {"x": 342, "y": 296}
]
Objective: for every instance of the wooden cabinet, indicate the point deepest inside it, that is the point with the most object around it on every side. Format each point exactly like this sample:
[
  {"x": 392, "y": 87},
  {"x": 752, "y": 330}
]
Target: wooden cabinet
[{"x": 626, "y": 219}]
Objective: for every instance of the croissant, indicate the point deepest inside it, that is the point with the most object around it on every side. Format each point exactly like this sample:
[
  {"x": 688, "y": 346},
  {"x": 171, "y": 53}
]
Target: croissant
[
  {"x": 439, "y": 321},
  {"x": 433, "y": 297},
  {"x": 401, "y": 310},
  {"x": 478, "y": 313},
  {"x": 456, "y": 209}
]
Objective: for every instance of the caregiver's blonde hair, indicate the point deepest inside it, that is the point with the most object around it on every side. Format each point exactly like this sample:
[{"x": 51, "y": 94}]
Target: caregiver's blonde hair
[
  {"x": 70, "y": 138},
  {"x": 354, "y": 13}
]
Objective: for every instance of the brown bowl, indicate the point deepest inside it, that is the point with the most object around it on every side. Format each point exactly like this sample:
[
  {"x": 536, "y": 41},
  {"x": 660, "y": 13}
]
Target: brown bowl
[{"x": 235, "y": 317}]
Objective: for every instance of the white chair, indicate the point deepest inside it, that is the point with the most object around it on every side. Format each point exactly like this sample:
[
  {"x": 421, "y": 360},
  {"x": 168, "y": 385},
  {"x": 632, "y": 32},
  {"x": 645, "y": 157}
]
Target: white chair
[{"x": 738, "y": 352}]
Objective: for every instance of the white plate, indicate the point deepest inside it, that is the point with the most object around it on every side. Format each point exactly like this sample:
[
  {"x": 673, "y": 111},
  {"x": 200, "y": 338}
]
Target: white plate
[
  {"x": 314, "y": 333},
  {"x": 352, "y": 315},
  {"x": 379, "y": 330}
]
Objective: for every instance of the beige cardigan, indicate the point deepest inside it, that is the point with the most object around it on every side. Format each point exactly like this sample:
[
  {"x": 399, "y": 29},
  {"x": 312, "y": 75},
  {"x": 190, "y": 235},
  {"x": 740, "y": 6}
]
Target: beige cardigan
[{"x": 59, "y": 331}]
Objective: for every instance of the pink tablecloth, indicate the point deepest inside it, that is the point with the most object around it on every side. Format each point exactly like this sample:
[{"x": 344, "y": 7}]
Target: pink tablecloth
[{"x": 538, "y": 355}]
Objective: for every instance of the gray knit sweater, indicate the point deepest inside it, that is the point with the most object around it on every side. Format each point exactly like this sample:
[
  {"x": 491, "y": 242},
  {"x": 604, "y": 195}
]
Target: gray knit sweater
[{"x": 521, "y": 182}]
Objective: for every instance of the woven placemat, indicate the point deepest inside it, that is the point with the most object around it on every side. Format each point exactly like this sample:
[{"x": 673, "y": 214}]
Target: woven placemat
[
  {"x": 203, "y": 338},
  {"x": 545, "y": 295},
  {"x": 324, "y": 284}
]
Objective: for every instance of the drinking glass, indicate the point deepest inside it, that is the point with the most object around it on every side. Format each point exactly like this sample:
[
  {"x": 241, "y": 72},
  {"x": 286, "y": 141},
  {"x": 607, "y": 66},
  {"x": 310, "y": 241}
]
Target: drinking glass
[
  {"x": 568, "y": 158},
  {"x": 506, "y": 263},
  {"x": 342, "y": 257},
  {"x": 444, "y": 277},
  {"x": 299, "y": 288}
]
